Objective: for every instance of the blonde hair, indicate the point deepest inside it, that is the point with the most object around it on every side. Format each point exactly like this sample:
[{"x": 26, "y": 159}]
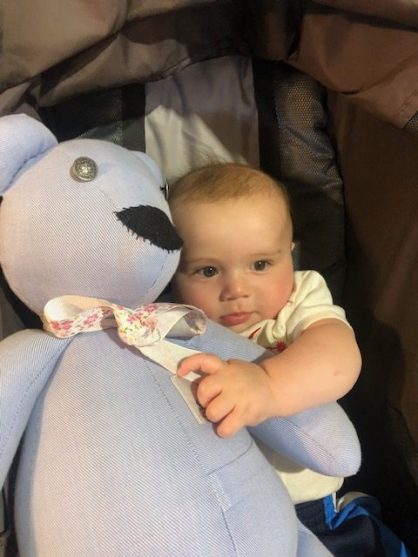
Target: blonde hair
[{"x": 219, "y": 181}]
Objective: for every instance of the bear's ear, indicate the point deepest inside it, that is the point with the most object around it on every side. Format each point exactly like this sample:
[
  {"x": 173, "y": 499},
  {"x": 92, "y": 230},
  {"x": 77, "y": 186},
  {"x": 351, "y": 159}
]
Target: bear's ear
[{"x": 21, "y": 139}]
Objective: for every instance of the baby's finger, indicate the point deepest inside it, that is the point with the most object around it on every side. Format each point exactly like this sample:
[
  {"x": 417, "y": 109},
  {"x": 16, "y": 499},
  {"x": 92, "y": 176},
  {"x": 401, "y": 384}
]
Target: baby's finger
[
  {"x": 231, "y": 424},
  {"x": 203, "y": 363},
  {"x": 207, "y": 389},
  {"x": 219, "y": 408}
]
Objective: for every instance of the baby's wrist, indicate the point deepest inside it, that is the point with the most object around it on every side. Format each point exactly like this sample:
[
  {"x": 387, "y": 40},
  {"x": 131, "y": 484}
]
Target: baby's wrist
[{"x": 275, "y": 405}]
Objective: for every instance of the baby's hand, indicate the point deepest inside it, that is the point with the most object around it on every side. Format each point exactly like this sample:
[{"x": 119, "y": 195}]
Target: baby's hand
[{"x": 233, "y": 393}]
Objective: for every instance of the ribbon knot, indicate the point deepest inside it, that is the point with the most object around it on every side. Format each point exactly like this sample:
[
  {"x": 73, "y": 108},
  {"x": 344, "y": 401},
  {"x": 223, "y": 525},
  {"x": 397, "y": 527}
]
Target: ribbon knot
[
  {"x": 144, "y": 327},
  {"x": 138, "y": 327}
]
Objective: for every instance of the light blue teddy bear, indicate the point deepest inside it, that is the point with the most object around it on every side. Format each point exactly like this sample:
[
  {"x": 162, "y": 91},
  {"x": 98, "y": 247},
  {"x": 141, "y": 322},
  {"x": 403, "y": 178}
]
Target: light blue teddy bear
[{"x": 113, "y": 461}]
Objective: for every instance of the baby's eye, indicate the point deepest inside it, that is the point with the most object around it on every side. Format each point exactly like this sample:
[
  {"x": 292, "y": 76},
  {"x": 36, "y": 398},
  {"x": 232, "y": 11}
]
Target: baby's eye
[
  {"x": 260, "y": 265},
  {"x": 207, "y": 272}
]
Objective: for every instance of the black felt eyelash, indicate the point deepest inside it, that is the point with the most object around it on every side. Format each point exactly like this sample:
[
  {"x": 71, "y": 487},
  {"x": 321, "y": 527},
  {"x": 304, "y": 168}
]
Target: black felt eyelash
[{"x": 151, "y": 224}]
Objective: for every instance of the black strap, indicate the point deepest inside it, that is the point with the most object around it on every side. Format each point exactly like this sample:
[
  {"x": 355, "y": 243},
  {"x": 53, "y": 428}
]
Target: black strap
[{"x": 116, "y": 115}]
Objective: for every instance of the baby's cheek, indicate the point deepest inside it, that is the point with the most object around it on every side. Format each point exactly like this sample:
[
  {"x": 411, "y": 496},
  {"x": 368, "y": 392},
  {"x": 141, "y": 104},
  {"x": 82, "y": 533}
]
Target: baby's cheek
[
  {"x": 183, "y": 291},
  {"x": 199, "y": 297},
  {"x": 273, "y": 304}
]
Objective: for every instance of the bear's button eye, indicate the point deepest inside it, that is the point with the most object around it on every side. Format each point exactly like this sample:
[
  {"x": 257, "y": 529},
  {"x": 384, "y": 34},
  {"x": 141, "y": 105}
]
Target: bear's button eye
[
  {"x": 84, "y": 169},
  {"x": 165, "y": 189}
]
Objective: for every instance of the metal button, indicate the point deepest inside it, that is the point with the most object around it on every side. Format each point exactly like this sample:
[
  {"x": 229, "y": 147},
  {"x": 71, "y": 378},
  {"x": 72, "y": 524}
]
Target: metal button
[
  {"x": 165, "y": 189},
  {"x": 84, "y": 169}
]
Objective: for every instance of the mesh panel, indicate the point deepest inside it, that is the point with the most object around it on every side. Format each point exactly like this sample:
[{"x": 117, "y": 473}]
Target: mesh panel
[
  {"x": 412, "y": 125},
  {"x": 296, "y": 148},
  {"x": 309, "y": 171}
]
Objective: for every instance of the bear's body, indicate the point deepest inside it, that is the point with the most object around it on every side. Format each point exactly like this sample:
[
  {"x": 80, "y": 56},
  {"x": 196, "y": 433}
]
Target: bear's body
[{"x": 133, "y": 464}]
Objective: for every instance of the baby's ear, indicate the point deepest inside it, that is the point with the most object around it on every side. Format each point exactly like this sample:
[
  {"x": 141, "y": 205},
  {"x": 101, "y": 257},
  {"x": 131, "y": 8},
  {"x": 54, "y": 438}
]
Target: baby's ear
[
  {"x": 22, "y": 139},
  {"x": 293, "y": 246}
]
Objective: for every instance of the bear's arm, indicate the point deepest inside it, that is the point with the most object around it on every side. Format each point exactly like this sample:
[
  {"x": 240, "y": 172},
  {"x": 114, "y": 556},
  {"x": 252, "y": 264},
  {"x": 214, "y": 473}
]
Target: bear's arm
[
  {"x": 27, "y": 359},
  {"x": 322, "y": 439}
]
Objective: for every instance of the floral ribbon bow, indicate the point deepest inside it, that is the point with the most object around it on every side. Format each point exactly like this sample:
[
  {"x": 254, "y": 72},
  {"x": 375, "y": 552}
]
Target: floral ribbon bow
[{"x": 144, "y": 327}]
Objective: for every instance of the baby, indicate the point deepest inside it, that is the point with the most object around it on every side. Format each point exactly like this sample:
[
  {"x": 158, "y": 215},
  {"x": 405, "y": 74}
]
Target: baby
[{"x": 237, "y": 267}]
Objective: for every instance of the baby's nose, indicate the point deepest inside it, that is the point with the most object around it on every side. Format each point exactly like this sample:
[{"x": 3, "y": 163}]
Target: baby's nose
[{"x": 234, "y": 287}]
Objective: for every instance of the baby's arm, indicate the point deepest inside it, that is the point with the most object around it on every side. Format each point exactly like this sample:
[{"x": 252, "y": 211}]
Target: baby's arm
[{"x": 320, "y": 366}]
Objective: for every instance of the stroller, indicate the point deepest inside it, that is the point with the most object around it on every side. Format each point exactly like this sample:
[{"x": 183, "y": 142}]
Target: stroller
[{"x": 322, "y": 95}]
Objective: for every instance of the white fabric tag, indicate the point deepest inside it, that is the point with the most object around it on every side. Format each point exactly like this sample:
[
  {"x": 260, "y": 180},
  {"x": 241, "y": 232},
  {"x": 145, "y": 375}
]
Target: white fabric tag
[{"x": 186, "y": 389}]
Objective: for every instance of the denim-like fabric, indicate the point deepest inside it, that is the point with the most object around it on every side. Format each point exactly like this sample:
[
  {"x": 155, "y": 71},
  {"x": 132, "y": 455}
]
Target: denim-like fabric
[
  {"x": 27, "y": 360},
  {"x": 113, "y": 463},
  {"x": 356, "y": 530}
]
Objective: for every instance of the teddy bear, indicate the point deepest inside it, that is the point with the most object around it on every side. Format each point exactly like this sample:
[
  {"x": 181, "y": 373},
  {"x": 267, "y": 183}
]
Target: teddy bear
[{"x": 115, "y": 456}]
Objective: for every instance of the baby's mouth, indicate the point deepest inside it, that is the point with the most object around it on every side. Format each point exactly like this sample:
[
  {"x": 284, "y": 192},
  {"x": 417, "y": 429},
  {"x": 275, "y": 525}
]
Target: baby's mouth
[{"x": 234, "y": 319}]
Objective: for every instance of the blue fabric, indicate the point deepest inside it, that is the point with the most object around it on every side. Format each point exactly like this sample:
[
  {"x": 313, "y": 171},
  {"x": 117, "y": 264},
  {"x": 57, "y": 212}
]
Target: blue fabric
[{"x": 357, "y": 530}]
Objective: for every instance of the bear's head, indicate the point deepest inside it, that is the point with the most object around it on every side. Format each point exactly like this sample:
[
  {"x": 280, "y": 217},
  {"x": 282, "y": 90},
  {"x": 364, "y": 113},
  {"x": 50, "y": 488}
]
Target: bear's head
[{"x": 83, "y": 217}]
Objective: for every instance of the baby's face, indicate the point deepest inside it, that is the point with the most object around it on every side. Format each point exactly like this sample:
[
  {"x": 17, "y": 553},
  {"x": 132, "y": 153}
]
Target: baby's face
[{"x": 236, "y": 262}]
